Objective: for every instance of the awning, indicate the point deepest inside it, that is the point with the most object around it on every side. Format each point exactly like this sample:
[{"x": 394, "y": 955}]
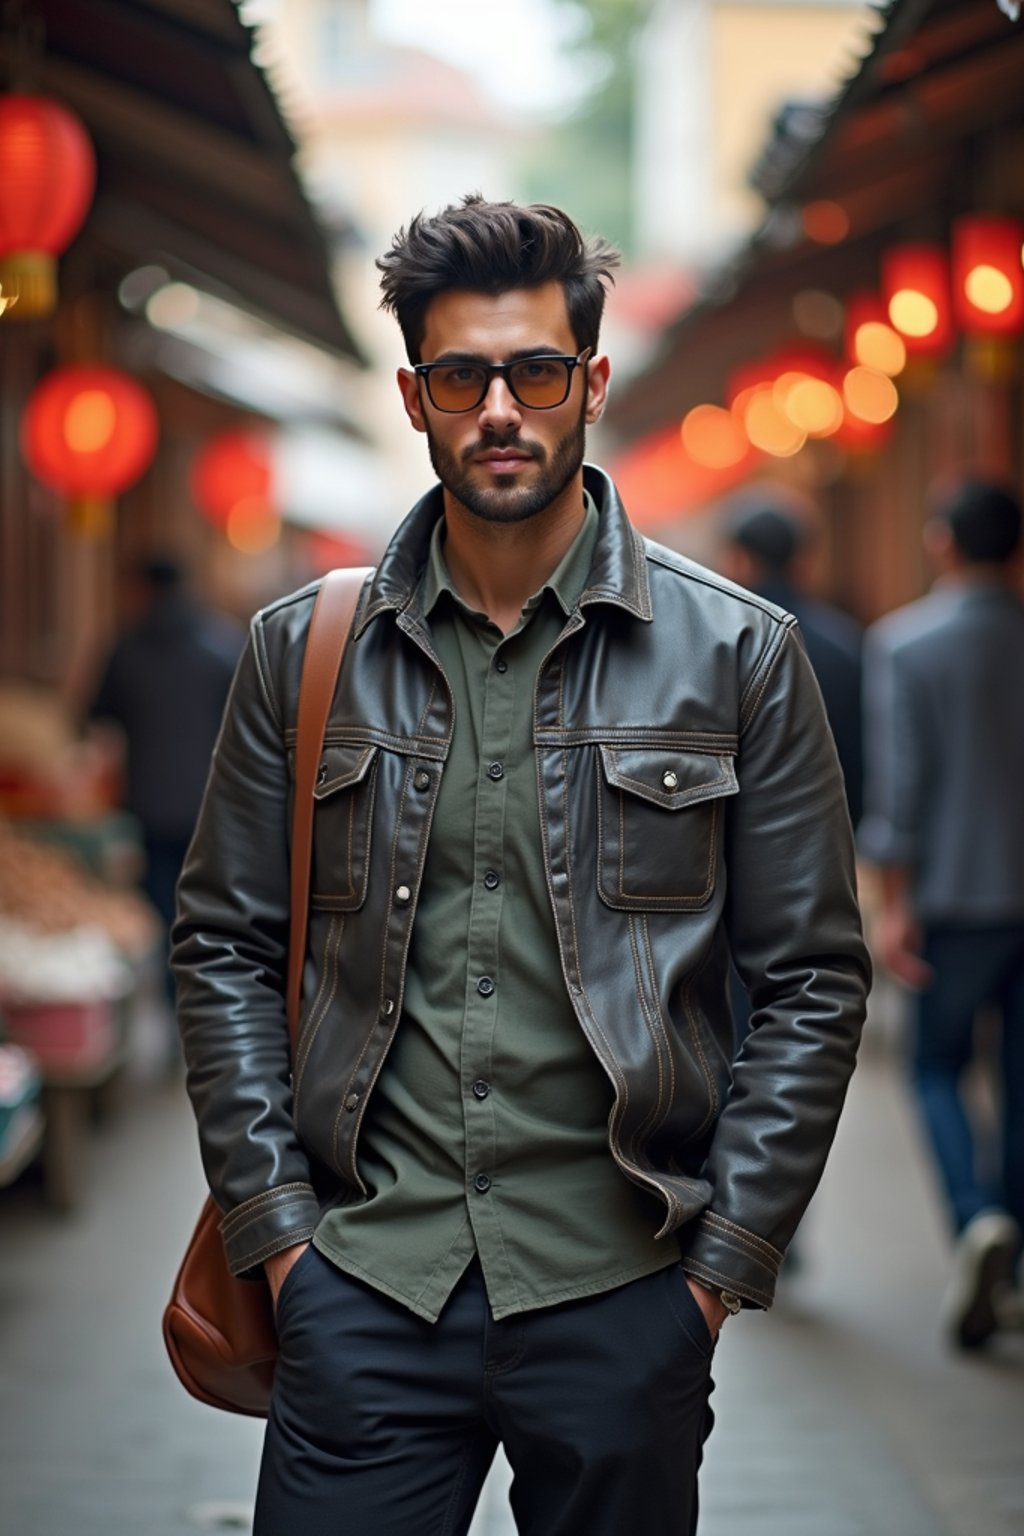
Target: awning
[{"x": 195, "y": 162}]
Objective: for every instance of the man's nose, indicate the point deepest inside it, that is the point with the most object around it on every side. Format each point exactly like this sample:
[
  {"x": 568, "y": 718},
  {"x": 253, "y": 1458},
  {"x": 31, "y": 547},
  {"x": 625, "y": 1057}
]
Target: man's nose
[{"x": 500, "y": 408}]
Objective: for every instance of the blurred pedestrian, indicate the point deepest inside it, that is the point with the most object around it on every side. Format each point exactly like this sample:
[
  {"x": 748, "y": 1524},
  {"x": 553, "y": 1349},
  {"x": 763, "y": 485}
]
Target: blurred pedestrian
[
  {"x": 945, "y": 824},
  {"x": 514, "y": 1182},
  {"x": 165, "y": 684},
  {"x": 766, "y": 540}
]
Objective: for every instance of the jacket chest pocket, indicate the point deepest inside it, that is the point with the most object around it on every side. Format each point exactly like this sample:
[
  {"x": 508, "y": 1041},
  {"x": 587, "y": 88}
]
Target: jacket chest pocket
[
  {"x": 660, "y": 816},
  {"x": 342, "y": 816}
]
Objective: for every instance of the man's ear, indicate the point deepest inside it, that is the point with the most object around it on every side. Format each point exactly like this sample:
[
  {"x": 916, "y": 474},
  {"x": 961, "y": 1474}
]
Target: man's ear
[
  {"x": 409, "y": 389},
  {"x": 598, "y": 373}
]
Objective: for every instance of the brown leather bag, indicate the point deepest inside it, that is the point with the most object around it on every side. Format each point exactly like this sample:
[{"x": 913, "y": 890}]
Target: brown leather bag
[{"x": 219, "y": 1330}]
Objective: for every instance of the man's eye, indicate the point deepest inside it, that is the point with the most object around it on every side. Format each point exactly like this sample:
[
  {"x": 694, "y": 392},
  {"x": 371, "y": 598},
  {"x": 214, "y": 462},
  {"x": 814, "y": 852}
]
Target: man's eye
[
  {"x": 460, "y": 376},
  {"x": 537, "y": 368}
]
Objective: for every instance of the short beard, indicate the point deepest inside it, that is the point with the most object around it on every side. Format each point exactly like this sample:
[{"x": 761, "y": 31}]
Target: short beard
[{"x": 507, "y": 502}]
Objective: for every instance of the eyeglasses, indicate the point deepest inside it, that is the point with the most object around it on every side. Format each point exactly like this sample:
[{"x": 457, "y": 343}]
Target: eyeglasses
[{"x": 539, "y": 383}]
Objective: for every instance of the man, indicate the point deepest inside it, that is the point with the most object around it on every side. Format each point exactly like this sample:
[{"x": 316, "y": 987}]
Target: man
[
  {"x": 165, "y": 684},
  {"x": 945, "y": 822},
  {"x": 766, "y": 536},
  {"x": 564, "y": 770}
]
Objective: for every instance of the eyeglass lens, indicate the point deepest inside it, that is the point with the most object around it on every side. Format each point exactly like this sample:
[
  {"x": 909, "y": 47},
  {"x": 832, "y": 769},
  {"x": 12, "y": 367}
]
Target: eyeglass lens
[{"x": 536, "y": 382}]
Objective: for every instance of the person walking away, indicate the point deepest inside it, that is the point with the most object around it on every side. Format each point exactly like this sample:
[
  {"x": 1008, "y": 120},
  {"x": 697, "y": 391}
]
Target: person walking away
[
  {"x": 944, "y": 823},
  {"x": 513, "y": 1181},
  {"x": 165, "y": 684},
  {"x": 766, "y": 540}
]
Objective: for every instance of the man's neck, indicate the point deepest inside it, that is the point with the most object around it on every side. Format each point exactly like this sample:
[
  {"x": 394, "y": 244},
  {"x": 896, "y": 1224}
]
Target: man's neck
[{"x": 497, "y": 567}]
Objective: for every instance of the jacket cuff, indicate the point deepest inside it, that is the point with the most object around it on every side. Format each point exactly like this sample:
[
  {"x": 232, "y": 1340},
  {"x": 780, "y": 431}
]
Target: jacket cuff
[
  {"x": 725, "y": 1256},
  {"x": 268, "y": 1223}
]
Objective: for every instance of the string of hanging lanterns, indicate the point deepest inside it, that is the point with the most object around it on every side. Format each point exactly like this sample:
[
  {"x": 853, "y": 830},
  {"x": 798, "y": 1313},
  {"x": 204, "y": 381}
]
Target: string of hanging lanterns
[{"x": 775, "y": 405}]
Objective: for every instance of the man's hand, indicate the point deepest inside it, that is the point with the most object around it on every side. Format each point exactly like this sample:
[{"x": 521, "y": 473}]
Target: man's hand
[
  {"x": 898, "y": 942},
  {"x": 714, "y": 1309},
  {"x": 278, "y": 1265}
]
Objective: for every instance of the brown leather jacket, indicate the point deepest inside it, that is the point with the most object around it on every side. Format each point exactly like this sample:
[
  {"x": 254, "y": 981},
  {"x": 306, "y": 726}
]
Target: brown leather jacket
[{"x": 691, "y": 807}]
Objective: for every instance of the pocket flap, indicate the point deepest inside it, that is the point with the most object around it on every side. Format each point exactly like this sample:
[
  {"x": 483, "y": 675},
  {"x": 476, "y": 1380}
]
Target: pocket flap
[
  {"x": 341, "y": 767},
  {"x": 669, "y": 778}
]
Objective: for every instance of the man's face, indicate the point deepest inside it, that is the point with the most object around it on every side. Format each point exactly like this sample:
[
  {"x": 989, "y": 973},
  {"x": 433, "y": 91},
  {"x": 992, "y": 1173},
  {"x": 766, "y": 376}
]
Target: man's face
[{"x": 502, "y": 461}]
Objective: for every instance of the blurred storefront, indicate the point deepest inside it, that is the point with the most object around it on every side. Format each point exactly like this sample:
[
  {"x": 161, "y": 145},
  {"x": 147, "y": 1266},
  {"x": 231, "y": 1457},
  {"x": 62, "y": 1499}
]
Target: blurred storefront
[
  {"x": 868, "y": 337},
  {"x": 190, "y": 307}
]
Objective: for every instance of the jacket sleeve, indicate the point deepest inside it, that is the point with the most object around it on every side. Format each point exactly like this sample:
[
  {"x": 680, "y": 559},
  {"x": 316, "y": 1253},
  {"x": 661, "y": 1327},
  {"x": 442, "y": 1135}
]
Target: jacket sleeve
[
  {"x": 230, "y": 944},
  {"x": 795, "y": 933}
]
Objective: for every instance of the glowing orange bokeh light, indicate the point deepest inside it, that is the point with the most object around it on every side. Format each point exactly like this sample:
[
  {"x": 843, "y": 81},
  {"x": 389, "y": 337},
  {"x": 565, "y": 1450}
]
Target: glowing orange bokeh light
[
  {"x": 712, "y": 437},
  {"x": 870, "y": 396}
]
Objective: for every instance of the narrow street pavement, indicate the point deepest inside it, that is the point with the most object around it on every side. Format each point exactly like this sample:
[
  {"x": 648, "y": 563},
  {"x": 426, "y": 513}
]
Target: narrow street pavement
[{"x": 841, "y": 1413}]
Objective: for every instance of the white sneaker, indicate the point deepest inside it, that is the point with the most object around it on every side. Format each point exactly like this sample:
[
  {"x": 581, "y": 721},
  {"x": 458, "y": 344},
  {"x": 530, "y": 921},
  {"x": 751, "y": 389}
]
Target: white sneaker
[{"x": 983, "y": 1271}]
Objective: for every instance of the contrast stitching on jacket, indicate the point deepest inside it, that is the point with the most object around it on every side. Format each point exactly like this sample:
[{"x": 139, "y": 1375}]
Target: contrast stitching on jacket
[
  {"x": 269, "y": 1197},
  {"x": 639, "y": 900},
  {"x": 750, "y": 1239},
  {"x": 330, "y": 969},
  {"x": 762, "y": 674},
  {"x": 652, "y": 1115},
  {"x": 325, "y": 899},
  {"x": 625, "y": 780},
  {"x": 621, "y": 738},
  {"x": 657, "y": 554},
  {"x": 302, "y": 1235},
  {"x": 646, "y": 932},
  {"x": 747, "y": 1288},
  {"x": 366, "y": 1043},
  {"x": 705, "y": 1065},
  {"x": 263, "y": 672}
]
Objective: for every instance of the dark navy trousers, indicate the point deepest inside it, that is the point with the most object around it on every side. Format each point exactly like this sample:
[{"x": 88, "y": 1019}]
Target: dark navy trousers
[{"x": 383, "y": 1424}]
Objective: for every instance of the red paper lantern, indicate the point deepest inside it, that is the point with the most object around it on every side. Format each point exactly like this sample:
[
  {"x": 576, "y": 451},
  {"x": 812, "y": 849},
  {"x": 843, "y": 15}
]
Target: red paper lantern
[
  {"x": 915, "y": 287},
  {"x": 231, "y": 471},
  {"x": 988, "y": 278},
  {"x": 89, "y": 432},
  {"x": 47, "y": 177}
]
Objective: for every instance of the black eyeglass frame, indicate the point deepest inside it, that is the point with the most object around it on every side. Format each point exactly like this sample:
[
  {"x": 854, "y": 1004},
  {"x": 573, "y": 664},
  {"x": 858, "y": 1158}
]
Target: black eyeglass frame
[{"x": 504, "y": 371}]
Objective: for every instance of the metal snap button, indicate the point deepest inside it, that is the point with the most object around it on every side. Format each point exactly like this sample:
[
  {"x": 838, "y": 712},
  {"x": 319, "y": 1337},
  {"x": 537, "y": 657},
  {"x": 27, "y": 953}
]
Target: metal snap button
[
  {"x": 352, "y": 1101},
  {"x": 387, "y": 1007},
  {"x": 670, "y": 779},
  {"x": 322, "y": 771},
  {"x": 421, "y": 779},
  {"x": 403, "y": 894}
]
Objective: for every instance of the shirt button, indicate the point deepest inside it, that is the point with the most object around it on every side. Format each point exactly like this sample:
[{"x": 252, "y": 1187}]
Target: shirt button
[
  {"x": 501, "y": 665},
  {"x": 352, "y": 1102},
  {"x": 492, "y": 880},
  {"x": 422, "y": 779},
  {"x": 403, "y": 895},
  {"x": 495, "y": 771},
  {"x": 481, "y": 1089},
  {"x": 670, "y": 780},
  {"x": 482, "y": 1183},
  {"x": 485, "y": 986}
]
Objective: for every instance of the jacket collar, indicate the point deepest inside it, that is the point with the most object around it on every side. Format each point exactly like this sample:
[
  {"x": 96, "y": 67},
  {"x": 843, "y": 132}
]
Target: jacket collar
[{"x": 618, "y": 572}]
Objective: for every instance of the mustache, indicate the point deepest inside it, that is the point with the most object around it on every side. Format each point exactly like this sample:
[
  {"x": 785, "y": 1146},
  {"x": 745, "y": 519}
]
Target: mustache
[{"x": 496, "y": 440}]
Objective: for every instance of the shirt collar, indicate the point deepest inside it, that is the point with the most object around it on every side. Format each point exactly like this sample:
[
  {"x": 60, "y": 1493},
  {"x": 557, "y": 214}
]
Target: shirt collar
[{"x": 566, "y": 581}]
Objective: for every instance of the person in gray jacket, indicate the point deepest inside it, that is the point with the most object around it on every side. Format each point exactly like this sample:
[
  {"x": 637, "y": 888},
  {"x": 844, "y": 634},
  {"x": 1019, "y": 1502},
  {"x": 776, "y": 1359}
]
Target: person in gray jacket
[
  {"x": 944, "y": 742},
  {"x": 515, "y": 1178}
]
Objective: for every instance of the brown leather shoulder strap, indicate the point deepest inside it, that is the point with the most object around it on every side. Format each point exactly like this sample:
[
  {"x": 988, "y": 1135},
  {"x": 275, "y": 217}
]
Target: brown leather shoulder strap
[{"x": 329, "y": 629}]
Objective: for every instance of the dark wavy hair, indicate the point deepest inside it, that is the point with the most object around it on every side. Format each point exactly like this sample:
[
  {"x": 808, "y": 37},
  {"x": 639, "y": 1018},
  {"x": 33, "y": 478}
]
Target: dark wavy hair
[{"x": 489, "y": 248}]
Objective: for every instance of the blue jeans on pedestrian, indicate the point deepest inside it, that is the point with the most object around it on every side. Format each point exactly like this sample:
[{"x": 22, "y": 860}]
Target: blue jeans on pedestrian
[{"x": 973, "y": 968}]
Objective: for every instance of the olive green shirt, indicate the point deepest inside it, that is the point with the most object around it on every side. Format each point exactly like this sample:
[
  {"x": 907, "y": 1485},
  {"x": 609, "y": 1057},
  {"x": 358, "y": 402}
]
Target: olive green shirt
[{"x": 487, "y": 1133}]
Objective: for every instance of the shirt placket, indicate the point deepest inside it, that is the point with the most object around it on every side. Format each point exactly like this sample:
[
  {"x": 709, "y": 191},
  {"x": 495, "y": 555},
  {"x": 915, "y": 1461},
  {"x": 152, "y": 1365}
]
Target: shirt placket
[{"x": 484, "y": 978}]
